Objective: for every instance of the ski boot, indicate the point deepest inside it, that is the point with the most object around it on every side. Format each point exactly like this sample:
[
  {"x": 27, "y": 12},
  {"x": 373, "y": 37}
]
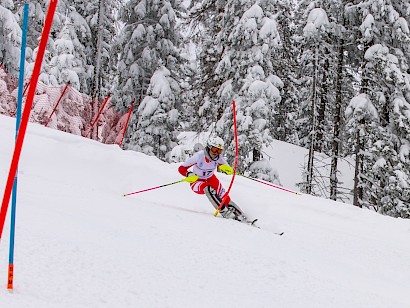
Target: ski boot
[{"x": 231, "y": 211}]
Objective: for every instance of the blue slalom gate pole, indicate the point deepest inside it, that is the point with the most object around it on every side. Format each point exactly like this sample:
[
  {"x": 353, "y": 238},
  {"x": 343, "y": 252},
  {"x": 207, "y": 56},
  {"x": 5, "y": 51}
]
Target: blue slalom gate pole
[{"x": 18, "y": 118}]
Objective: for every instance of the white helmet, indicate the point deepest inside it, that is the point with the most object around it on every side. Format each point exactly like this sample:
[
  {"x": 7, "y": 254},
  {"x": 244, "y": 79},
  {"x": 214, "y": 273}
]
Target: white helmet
[{"x": 215, "y": 141}]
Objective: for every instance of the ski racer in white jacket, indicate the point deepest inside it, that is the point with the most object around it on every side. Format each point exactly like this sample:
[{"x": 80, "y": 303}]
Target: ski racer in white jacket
[{"x": 203, "y": 180}]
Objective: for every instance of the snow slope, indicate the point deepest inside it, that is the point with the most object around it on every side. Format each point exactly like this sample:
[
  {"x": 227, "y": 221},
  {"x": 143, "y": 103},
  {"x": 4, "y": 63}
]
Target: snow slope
[{"x": 80, "y": 243}]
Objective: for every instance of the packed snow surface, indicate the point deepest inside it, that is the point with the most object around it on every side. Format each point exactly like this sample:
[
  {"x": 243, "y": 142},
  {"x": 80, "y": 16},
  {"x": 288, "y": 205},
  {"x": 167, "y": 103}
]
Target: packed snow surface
[{"x": 80, "y": 243}]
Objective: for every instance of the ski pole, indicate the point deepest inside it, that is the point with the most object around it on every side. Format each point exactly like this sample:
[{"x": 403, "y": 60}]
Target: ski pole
[
  {"x": 270, "y": 184},
  {"x": 152, "y": 188}
]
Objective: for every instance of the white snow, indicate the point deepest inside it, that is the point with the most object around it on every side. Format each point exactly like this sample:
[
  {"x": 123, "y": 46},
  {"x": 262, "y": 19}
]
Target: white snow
[
  {"x": 138, "y": 33},
  {"x": 361, "y": 106},
  {"x": 402, "y": 24},
  {"x": 316, "y": 22},
  {"x": 376, "y": 50},
  {"x": 269, "y": 30},
  {"x": 160, "y": 87},
  {"x": 80, "y": 243},
  {"x": 367, "y": 27}
]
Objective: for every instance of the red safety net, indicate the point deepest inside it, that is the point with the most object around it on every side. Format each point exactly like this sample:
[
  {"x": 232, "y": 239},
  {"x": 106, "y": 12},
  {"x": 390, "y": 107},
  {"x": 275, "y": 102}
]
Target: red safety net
[{"x": 70, "y": 110}]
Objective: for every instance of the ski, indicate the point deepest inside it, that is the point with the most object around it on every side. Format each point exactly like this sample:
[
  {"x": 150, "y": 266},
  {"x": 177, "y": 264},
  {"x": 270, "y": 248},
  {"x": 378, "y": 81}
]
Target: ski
[{"x": 252, "y": 223}]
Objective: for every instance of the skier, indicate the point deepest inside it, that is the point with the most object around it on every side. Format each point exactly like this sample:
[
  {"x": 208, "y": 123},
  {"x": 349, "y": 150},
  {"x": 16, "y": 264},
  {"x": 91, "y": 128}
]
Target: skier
[{"x": 203, "y": 180}]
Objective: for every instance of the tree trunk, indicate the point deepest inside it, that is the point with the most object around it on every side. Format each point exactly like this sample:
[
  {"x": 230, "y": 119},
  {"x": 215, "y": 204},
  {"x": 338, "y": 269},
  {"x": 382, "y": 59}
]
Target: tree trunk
[
  {"x": 95, "y": 94},
  {"x": 97, "y": 67},
  {"x": 357, "y": 189},
  {"x": 256, "y": 155},
  {"x": 321, "y": 110},
  {"x": 337, "y": 119},
  {"x": 309, "y": 178}
]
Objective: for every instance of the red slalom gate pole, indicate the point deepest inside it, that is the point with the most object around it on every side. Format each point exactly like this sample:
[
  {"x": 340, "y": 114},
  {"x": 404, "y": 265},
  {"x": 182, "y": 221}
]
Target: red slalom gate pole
[
  {"x": 98, "y": 115},
  {"x": 126, "y": 123},
  {"x": 25, "y": 89},
  {"x": 270, "y": 184},
  {"x": 58, "y": 102},
  {"x": 235, "y": 161},
  {"x": 26, "y": 113}
]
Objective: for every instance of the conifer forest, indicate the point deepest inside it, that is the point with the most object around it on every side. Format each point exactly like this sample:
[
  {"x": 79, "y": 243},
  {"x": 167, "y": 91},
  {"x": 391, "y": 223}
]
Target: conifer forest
[{"x": 331, "y": 76}]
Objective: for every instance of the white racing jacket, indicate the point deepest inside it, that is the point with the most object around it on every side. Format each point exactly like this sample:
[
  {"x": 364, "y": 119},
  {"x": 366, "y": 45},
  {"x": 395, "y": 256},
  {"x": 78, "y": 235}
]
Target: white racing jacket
[{"x": 202, "y": 165}]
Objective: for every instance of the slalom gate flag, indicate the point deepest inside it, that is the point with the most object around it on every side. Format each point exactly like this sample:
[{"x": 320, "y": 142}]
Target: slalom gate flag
[{"x": 235, "y": 161}]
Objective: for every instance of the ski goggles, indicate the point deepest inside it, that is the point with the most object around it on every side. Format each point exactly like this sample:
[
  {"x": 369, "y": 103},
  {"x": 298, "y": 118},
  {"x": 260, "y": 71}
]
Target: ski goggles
[{"x": 216, "y": 150}]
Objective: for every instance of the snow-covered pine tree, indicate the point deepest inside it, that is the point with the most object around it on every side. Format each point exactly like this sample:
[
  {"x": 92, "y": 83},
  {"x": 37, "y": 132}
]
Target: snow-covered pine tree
[
  {"x": 362, "y": 123},
  {"x": 7, "y": 102},
  {"x": 149, "y": 65},
  {"x": 384, "y": 187},
  {"x": 35, "y": 21},
  {"x": 286, "y": 111},
  {"x": 385, "y": 40},
  {"x": 64, "y": 64},
  {"x": 386, "y": 165},
  {"x": 36, "y": 17},
  {"x": 341, "y": 87},
  {"x": 323, "y": 72},
  {"x": 67, "y": 22},
  {"x": 205, "y": 19},
  {"x": 96, "y": 27},
  {"x": 98, "y": 34},
  {"x": 81, "y": 35},
  {"x": 155, "y": 133},
  {"x": 45, "y": 75},
  {"x": 316, "y": 65},
  {"x": 250, "y": 35},
  {"x": 10, "y": 39}
]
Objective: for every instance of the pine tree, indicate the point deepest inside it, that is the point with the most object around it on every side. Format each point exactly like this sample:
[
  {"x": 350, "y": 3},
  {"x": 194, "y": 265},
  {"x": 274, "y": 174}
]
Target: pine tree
[
  {"x": 67, "y": 22},
  {"x": 7, "y": 102},
  {"x": 316, "y": 61},
  {"x": 64, "y": 64},
  {"x": 156, "y": 127},
  {"x": 336, "y": 144},
  {"x": 150, "y": 70},
  {"x": 206, "y": 19},
  {"x": 285, "y": 126},
  {"x": 250, "y": 34},
  {"x": 97, "y": 37},
  {"x": 385, "y": 41},
  {"x": 363, "y": 120},
  {"x": 10, "y": 39}
]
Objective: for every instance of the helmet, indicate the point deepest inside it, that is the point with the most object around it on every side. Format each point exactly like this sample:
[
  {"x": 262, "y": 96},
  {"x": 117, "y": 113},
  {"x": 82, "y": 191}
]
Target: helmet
[{"x": 215, "y": 141}]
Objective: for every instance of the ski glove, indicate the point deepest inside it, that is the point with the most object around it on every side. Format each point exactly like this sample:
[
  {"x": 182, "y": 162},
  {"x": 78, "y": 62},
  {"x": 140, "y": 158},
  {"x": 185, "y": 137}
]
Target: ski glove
[
  {"x": 226, "y": 169},
  {"x": 191, "y": 177}
]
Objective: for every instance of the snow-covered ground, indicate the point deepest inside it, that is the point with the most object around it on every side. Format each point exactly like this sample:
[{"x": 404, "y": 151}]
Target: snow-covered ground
[{"x": 80, "y": 243}]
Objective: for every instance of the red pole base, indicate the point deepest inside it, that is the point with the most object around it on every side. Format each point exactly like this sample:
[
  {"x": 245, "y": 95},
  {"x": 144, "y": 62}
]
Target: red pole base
[{"x": 11, "y": 275}]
